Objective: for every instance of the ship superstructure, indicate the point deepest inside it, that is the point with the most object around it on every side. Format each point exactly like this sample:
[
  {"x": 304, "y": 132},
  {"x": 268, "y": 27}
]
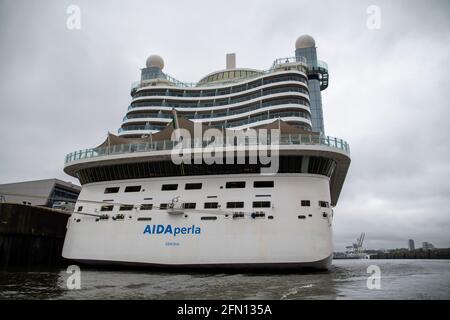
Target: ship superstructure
[{"x": 215, "y": 201}]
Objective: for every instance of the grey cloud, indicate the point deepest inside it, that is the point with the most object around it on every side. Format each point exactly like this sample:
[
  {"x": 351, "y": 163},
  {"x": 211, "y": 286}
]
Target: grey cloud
[{"x": 63, "y": 90}]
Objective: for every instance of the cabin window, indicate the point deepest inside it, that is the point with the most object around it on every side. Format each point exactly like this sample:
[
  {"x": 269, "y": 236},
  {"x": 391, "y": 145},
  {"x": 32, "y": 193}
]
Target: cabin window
[
  {"x": 258, "y": 215},
  {"x": 193, "y": 186},
  {"x": 261, "y": 204},
  {"x": 324, "y": 204},
  {"x": 208, "y": 218},
  {"x": 168, "y": 187},
  {"x": 234, "y": 205},
  {"x": 112, "y": 190},
  {"x": 211, "y": 205},
  {"x": 270, "y": 217},
  {"x": 235, "y": 184},
  {"x": 133, "y": 189},
  {"x": 306, "y": 203},
  {"x": 301, "y": 217},
  {"x": 144, "y": 219},
  {"x": 126, "y": 207},
  {"x": 263, "y": 184},
  {"x": 80, "y": 208},
  {"x": 147, "y": 206},
  {"x": 189, "y": 205},
  {"x": 106, "y": 208},
  {"x": 163, "y": 206}
]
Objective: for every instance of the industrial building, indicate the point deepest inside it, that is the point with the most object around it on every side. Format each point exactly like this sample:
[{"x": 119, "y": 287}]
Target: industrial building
[{"x": 45, "y": 193}]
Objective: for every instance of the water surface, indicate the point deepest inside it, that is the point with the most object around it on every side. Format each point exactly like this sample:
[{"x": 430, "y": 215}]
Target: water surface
[{"x": 347, "y": 279}]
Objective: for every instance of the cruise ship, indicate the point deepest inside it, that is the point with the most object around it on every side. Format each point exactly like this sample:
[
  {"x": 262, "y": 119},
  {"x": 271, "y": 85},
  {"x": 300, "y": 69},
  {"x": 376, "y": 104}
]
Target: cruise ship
[{"x": 234, "y": 171}]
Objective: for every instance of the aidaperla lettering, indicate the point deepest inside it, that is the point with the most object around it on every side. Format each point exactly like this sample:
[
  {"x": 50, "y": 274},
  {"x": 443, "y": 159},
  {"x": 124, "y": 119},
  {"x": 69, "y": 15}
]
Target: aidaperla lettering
[{"x": 169, "y": 229}]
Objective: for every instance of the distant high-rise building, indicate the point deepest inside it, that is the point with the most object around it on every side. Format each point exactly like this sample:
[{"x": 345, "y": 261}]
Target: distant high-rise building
[
  {"x": 411, "y": 244},
  {"x": 427, "y": 246}
]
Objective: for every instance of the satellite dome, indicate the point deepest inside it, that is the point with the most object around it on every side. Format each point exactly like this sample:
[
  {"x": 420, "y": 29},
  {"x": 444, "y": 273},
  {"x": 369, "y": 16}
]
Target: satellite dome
[
  {"x": 155, "y": 61},
  {"x": 305, "y": 41}
]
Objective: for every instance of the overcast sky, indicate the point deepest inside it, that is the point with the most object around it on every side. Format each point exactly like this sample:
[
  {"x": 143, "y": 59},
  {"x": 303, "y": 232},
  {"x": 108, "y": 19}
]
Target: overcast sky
[{"x": 63, "y": 90}]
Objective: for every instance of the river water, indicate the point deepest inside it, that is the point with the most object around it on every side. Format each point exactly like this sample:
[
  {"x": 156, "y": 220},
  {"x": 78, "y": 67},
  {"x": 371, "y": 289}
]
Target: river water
[{"x": 347, "y": 279}]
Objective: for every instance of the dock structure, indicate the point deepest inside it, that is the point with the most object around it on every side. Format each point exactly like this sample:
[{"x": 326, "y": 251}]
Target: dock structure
[{"x": 31, "y": 235}]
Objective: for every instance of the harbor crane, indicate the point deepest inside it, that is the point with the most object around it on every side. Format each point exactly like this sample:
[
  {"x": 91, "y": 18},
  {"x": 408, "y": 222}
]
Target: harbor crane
[{"x": 357, "y": 248}]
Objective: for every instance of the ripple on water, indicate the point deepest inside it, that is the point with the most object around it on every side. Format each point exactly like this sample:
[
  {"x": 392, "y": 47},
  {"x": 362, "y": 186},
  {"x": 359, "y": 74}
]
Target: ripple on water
[{"x": 409, "y": 279}]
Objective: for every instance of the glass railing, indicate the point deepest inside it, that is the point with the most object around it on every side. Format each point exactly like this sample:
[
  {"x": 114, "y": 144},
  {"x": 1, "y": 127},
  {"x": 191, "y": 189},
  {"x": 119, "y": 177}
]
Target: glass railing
[
  {"x": 290, "y": 139},
  {"x": 266, "y": 116},
  {"x": 217, "y": 92},
  {"x": 289, "y": 60},
  {"x": 213, "y": 115},
  {"x": 142, "y": 127},
  {"x": 204, "y": 104},
  {"x": 301, "y": 61},
  {"x": 322, "y": 64},
  {"x": 146, "y": 115}
]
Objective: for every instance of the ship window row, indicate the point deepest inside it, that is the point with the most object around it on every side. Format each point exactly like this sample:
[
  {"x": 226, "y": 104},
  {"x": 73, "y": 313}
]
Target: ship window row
[
  {"x": 186, "y": 205},
  {"x": 258, "y": 214},
  {"x": 164, "y": 187},
  {"x": 237, "y": 99},
  {"x": 216, "y": 102},
  {"x": 160, "y": 114},
  {"x": 223, "y": 91},
  {"x": 140, "y": 127},
  {"x": 239, "y": 122},
  {"x": 322, "y": 204},
  {"x": 194, "y": 186},
  {"x": 206, "y": 205},
  {"x": 256, "y": 184},
  {"x": 266, "y": 116},
  {"x": 141, "y": 170},
  {"x": 221, "y": 125}
]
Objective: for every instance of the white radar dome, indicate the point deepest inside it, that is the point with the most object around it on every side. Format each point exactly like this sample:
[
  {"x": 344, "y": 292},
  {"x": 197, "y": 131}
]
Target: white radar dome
[
  {"x": 305, "y": 41},
  {"x": 155, "y": 61}
]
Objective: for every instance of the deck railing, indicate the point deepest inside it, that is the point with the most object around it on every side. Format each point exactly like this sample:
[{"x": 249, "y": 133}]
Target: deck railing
[
  {"x": 278, "y": 62},
  {"x": 286, "y": 139}
]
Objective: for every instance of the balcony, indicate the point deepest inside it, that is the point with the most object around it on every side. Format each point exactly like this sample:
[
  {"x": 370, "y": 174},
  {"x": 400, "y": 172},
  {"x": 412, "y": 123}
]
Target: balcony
[
  {"x": 291, "y": 139},
  {"x": 276, "y": 65}
]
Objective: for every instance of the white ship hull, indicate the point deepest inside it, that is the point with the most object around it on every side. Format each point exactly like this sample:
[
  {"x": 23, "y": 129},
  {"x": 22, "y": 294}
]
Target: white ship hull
[{"x": 284, "y": 241}]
